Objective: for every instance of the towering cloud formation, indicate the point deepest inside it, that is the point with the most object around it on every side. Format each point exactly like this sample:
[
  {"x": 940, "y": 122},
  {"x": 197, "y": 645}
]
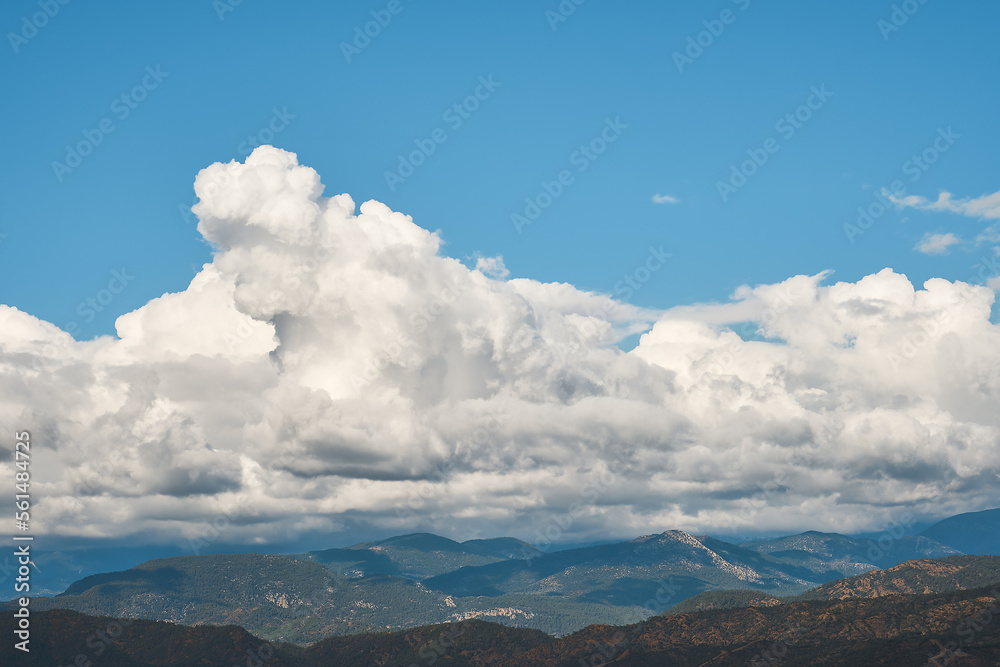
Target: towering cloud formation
[{"x": 331, "y": 367}]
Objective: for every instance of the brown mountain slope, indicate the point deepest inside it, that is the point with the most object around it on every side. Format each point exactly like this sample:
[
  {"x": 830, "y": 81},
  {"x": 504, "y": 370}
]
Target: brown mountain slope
[
  {"x": 732, "y": 599},
  {"x": 959, "y": 629},
  {"x": 917, "y": 577},
  {"x": 62, "y": 637},
  {"x": 896, "y": 630}
]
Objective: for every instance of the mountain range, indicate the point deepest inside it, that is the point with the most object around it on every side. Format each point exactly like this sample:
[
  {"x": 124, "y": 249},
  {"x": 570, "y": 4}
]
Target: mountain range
[
  {"x": 878, "y": 618},
  {"x": 419, "y": 579}
]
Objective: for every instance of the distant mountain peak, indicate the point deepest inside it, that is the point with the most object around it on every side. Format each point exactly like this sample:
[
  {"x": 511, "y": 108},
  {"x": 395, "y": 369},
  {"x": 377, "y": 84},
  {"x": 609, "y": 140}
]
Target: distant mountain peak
[
  {"x": 699, "y": 555},
  {"x": 669, "y": 535}
]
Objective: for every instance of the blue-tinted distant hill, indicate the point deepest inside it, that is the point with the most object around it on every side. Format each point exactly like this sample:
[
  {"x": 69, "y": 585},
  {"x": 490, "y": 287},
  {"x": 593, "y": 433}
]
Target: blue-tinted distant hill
[
  {"x": 57, "y": 569},
  {"x": 419, "y": 555},
  {"x": 971, "y": 533},
  {"x": 630, "y": 573},
  {"x": 832, "y": 556}
]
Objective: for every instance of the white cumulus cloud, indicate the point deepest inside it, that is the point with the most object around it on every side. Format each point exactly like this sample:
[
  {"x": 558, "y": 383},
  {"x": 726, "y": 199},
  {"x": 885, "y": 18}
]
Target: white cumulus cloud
[{"x": 331, "y": 368}]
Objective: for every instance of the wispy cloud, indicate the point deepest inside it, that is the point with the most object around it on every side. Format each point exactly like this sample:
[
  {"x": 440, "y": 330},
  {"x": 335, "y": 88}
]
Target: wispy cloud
[
  {"x": 492, "y": 267},
  {"x": 989, "y": 235},
  {"x": 936, "y": 244},
  {"x": 665, "y": 199},
  {"x": 986, "y": 206}
]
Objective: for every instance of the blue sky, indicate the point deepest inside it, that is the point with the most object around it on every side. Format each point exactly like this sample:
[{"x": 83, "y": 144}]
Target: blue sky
[
  {"x": 228, "y": 71},
  {"x": 728, "y": 143}
]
